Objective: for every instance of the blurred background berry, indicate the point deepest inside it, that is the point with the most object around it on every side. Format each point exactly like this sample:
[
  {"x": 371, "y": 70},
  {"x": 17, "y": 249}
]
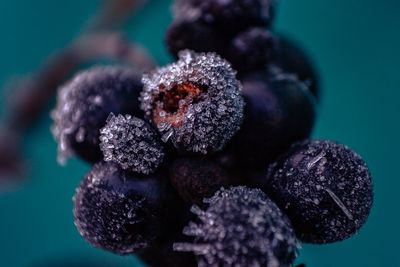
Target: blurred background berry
[{"x": 354, "y": 46}]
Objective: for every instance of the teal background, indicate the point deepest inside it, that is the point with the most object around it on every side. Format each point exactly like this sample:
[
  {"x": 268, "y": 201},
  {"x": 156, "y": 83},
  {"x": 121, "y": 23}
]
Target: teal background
[{"x": 355, "y": 44}]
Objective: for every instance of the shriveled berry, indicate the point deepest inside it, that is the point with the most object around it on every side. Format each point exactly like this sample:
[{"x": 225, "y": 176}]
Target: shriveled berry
[
  {"x": 279, "y": 111},
  {"x": 196, "y": 102},
  {"x": 228, "y": 16},
  {"x": 252, "y": 50},
  {"x": 197, "y": 178},
  {"x": 324, "y": 187},
  {"x": 241, "y": 227},
  {"x": 132, "y": 143},
  {"x": 123, "y": 212},
  {"x": 84, "y": 103},
  {"x": 193, "y": 35},
  {"x": 293, "y": 58}
]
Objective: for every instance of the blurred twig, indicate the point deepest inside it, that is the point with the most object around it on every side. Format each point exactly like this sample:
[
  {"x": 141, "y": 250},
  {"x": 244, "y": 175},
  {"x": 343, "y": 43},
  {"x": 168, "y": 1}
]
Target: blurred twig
[
  {"x": 112, "y": 14},
  {"x": 31, "y": 94}
]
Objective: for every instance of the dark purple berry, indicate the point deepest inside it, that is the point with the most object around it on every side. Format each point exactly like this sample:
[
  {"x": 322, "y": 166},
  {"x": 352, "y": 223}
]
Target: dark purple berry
[
  {"x": 193, "y": 35},
  {"x": 131, "y": 143},
  {"x": 84, "y": 103},
  {"x": 123, "y": 212},
  {"x": 241, "y": 227},
  {"x": 197, "y": 178},
  {"x": 228, "y": 16},
  {"x": 195, "y": 103},
  {"x": 293, "y": 58},
  {"x": 252, "y": 50},
  {"x": 279, "y": 111},
  {"x": 324, "y": 187}
]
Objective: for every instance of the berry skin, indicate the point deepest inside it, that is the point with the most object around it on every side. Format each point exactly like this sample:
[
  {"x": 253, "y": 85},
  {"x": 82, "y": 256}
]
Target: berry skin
[
  {"x": 252, "y": 50},
  {"x": 228, "y": 16},
  {"x": 197, "y": 178},
  {"x": 84, "y": 103},
  {"x": 279, "y": 111},
  {"x": 122, "y": 212},
  {"x": 131, "y": 143},
  {"x": 324, "y": 187},
  {"x": 241, "y": 227},
  {"x": 196, "y": 102},
  {"x": 293, "y": 58},
  {"x": 193, "y": 35}
]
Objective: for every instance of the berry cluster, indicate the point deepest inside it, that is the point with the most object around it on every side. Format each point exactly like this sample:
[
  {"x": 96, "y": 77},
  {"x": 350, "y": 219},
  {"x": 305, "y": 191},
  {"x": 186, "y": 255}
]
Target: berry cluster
[{"x": 195, "y": 135}]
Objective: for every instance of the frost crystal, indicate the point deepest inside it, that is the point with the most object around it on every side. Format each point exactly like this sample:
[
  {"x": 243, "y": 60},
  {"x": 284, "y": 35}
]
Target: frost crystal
[
  {"x": 131, "y": 143},
  {"x": 195, "y": 102},
  {"x": 84, "y": 103},
  {"x": 119, "y": 211},
  {"x": 241, "y": 227},
  {"x": 324, "y": 187}
]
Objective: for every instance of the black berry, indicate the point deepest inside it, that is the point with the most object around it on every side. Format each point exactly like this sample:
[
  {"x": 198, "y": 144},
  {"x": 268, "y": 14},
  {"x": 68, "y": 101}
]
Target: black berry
[
  {"x": 84, "y": 103},
  {"x": 122, "y": 212},
  {"x": 241, "y": 227},
  {"x": 229, "y": 16},
  {"x": 324, "y": 187},
  {"x": 193, "y": 35},
  {"x": 293, "y": 58},
  {"x": 252, "y": 50},
  {"x": 132, "y": 143},
  {"x": 279, "y": 110},
  {"x": 196, "y": 102},
  {"x": 197, "y": 178}
]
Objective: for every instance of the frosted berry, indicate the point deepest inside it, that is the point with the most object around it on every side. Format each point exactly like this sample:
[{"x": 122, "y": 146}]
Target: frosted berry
[
  {"x": 132, "y": 143},
  {"x": 324, "y": 187},
  {"x": 122, "y": 212},
  {"x": 241, "y": 227},
  {"x": 84, "y": 103},
  {"x": 195, "y": 103}
]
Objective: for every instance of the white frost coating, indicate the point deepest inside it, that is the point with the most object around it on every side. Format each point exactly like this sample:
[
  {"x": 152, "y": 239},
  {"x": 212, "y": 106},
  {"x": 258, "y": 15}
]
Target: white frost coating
[
  {"x": 215, "y": 115},
  {"x": 85, "y": 99},
  {"x": 131, "y": 143},
  {"x": 241, "y": 227}
]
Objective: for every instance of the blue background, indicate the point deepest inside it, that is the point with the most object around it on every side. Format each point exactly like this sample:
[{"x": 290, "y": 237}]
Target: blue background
[{"x": 355, "y": 44}]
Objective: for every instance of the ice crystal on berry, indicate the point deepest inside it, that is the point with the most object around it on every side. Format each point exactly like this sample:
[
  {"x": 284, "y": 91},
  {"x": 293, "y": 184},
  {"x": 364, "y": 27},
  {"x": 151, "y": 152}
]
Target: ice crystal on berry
[
  {"x": 84, "y": 103},
  {"x": 131, "y": 143},
  {"x": 195, "y": 102},
  {"x": 241, "y": 227},
  {"x": 119, "y": 211},
  {"x": 324, "y": 187}
]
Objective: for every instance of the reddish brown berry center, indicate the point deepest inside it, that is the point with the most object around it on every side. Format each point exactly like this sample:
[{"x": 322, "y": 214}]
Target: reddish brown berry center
[{"x": 169, "y": 102}]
